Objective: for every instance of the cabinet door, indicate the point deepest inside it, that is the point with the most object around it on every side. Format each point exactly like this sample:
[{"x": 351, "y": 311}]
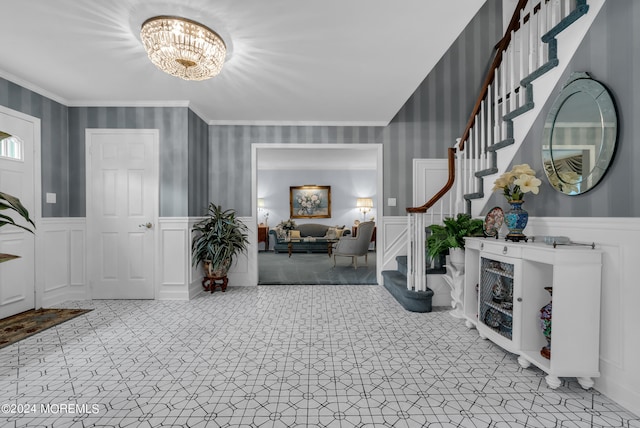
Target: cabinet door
[{"x": 499, "y": 300}]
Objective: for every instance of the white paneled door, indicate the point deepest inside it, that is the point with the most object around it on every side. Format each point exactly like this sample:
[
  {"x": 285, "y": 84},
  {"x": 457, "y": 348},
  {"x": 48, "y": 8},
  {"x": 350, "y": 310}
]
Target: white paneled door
[
  {"x": 122, "y": 203},
  {"x": 17, "y": 160}
]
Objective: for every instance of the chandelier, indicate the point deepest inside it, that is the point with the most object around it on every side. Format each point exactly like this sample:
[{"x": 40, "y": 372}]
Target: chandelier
[{"x": 183, "y": 48}]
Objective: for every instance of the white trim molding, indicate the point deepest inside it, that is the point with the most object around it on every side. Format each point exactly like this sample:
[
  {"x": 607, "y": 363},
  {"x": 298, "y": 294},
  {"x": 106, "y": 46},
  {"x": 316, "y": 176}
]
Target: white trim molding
[
  {"x": 619, "y": 315},
  {"x": 178, "y": 278},
  {"x": 62, "y": 262},
  {"x": 173, "y": 270}
]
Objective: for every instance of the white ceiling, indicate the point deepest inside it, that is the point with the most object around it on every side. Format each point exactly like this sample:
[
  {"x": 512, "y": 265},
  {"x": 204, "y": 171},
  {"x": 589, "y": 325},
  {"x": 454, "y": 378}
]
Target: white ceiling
[{"x": 332, "y": 62}]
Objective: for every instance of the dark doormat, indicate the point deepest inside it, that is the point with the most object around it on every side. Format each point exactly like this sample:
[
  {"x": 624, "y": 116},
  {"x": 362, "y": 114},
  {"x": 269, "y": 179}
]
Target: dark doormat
[{"x": 25, "y": 324}]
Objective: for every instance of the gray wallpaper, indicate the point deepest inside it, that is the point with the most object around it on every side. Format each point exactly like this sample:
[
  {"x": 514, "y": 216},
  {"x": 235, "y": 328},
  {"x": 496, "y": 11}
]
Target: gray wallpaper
[
  {"x": 431, "y": 120},
  {"x": 172, "y": 123},
  {"x": 611, "y": 54},
  {"x": 198, "y": 167},
  {"x": 54, "y": 141}
]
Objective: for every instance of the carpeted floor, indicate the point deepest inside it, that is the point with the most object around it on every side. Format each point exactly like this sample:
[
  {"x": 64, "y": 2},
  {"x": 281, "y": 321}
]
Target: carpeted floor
[
  {"x": 314, "y": 268},
  {"x": 25, "y": 324}
]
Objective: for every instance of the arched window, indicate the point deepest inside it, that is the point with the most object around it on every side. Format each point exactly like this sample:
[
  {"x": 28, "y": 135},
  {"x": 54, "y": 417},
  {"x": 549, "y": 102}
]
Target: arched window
[{"x": 11, "y": 147}]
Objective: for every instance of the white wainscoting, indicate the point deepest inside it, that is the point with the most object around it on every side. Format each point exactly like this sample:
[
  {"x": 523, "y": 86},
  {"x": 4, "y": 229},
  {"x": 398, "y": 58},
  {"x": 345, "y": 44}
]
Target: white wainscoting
[
  {"x": 61, "y": 260},
  {"x": 618, "y": 238},
  {"x": 392, "y": 240},
  {"x": 173, "y": 270},
  {"x": 245, "y": 268},
  {"x": 178, "y": 279},
  {"x": 429, "y": 177},
  {"x": 61, "y": 276}
]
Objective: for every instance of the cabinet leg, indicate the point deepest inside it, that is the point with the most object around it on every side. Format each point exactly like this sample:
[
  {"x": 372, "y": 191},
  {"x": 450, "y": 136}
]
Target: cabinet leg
[
  {"x": 482, "y": 336},
  {"x": 469, "y": 324},
  {"x": 586, "y": 382},
  {"x": 552, "y": 381},
  {"x": 524, "y": 363}
]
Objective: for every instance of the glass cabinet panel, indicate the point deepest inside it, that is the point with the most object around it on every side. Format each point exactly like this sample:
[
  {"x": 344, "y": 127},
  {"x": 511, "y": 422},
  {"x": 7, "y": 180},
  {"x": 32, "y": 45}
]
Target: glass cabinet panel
[{"x": 496, "y": 296}]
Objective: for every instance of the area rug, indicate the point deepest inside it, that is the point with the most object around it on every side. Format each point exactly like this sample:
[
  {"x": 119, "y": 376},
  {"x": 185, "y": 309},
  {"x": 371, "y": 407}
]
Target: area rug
[
  {"x": 25, "y": 324},
  {"x": 315, "y": 268}
]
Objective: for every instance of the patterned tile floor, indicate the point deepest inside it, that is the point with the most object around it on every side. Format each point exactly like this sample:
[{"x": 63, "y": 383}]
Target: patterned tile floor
[{"x": 280, "y": 356}]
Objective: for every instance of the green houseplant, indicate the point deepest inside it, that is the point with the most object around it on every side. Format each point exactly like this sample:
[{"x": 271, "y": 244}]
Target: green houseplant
[
  {"x": 452, "y": 234},
  {"x": 217, "y": 240},
  {"x": 8, "y": 202}
]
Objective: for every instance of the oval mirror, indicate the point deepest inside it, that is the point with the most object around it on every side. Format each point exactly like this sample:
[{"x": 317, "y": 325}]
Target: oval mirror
[{"x": 579, "y": 135}]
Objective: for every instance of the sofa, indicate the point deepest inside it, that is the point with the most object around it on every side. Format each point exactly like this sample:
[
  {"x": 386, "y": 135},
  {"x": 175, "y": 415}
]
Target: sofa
[{"x": 306, "y": 230}]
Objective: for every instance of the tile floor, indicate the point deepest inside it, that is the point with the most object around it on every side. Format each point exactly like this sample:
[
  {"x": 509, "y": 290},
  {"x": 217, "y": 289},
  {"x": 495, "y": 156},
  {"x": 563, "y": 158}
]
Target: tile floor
[{"x": 280, "y": 356}]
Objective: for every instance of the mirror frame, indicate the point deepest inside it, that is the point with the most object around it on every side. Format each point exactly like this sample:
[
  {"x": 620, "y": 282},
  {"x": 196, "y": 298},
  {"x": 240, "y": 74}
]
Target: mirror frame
[{"x": 604, "y": 149}]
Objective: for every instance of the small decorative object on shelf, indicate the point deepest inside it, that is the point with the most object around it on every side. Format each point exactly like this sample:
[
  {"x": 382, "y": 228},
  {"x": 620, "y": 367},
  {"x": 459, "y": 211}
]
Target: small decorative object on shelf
[
  {"x": 499, "y": 291},
  {"x": 513, "y": 185},
  {"x": 516, "y": 219},
  {"x": 492, "y": 318},
  {"x": 545, "y": 326},
  {"x": 493, "y": 222}
]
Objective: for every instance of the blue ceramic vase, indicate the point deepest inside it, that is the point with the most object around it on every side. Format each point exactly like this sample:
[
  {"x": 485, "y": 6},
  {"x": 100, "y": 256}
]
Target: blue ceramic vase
[{"x": 516, "y": 220}]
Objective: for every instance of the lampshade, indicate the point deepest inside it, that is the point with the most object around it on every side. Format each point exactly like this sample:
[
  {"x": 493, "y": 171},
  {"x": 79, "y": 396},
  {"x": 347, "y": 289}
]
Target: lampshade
[
  {"x": 364, "y": 203},
  {"x": 183, "y": 48},
  {"x": 260, "y": 202}
]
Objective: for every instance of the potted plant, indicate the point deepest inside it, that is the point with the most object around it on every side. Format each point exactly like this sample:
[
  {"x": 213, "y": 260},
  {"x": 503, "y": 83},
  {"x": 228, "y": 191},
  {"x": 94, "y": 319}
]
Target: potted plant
[
  {"x": 218, "y": 239},
  {"x": 8, "y": 202},
  {"x": 451, "y": 235}
]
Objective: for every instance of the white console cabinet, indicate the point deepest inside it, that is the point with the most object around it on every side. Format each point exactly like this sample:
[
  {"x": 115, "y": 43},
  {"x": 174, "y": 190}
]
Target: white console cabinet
[{"x": 505, "y": 291}]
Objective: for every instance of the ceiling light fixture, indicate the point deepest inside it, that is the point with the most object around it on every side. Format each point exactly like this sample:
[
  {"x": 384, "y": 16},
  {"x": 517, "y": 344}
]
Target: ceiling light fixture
[{"x": 183, "y": 48}]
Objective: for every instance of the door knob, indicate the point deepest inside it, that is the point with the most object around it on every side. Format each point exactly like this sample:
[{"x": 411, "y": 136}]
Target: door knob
[{"x": 147, "y": 225}]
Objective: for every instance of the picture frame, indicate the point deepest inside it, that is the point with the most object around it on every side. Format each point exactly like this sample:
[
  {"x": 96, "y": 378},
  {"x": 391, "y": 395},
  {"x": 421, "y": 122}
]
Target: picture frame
[{"x": 310, "y": 201}]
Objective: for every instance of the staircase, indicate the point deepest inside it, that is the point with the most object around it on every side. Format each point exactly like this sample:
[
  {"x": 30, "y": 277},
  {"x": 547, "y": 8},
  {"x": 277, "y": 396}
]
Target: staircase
[{"x": 527, "y": 65}]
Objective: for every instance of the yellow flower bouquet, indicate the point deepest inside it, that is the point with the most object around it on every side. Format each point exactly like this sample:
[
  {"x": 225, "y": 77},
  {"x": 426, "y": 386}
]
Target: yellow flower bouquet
[{"x": 515, "y": 183}]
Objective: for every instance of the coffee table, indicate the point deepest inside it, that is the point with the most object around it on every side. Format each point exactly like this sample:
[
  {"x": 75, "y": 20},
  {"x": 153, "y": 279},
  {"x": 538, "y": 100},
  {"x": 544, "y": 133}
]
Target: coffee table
[{"x": 329, "y": 241}]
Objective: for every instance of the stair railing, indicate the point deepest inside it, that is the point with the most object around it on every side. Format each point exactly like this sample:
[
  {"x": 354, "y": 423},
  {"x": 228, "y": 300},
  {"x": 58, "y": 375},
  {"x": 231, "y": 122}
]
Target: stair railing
[{"x": 526, "y": 51}]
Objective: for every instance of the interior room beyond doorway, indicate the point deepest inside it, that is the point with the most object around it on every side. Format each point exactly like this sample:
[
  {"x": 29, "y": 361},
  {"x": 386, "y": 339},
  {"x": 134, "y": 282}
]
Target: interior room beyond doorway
[{"x": 349, "y": 171}]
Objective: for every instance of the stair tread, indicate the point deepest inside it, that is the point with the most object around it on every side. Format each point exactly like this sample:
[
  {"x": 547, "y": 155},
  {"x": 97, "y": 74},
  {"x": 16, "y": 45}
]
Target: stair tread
[
  {"x": 413, "y": 301},
  {"x": 549, "y": 38}
]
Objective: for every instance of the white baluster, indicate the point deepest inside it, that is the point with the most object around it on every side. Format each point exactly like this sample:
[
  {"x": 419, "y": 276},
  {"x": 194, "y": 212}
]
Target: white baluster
[
  {"x": 523, "y": 41},
  {"x": 555, "y": 12},
  {"x": 522, "y": 67},
  {"x": 512, "y": 76},
  {"x": 496, "y": 107},
  {"x": 503, "y": 89},
  {"x": 565, "y": 8},
  {"x": 490, "y": 128},
  {"x": 544, "y": 27},
  {"x": 476, "y": 153},
  {"x": 534, "y": 40},
  {"x": 410, "y": 239},
  {"x": 468, "y": 149},
  {"x": 481, "y": 139},
  {"x": 420, "y": 259}
]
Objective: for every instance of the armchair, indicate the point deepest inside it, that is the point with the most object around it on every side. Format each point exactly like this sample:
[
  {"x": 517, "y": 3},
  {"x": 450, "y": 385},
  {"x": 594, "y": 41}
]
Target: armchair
[{"x": 349, "y": 246}]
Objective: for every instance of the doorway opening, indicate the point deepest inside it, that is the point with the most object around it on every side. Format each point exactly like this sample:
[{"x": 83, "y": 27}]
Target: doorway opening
[{"x": 350, "y": 171}]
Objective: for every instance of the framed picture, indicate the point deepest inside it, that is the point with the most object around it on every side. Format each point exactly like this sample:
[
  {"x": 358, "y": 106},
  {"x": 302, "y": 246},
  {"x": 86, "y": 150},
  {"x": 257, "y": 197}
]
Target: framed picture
[{"x": 310, "y": 201}]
